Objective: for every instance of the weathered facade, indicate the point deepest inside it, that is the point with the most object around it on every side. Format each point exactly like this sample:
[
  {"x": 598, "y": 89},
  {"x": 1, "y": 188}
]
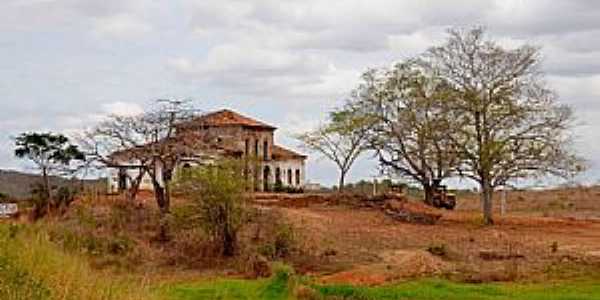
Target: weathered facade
[{"x": 231, "y": 135}]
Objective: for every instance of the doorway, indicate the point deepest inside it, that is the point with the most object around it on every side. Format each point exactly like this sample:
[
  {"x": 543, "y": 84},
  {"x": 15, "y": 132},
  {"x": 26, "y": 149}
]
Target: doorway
[{"x": 266, "y": 179}]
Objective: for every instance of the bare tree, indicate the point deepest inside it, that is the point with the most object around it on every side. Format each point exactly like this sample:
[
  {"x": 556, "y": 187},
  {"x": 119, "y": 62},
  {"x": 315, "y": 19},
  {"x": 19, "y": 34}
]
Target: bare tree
[
  {"x": 149, "y": 143},
  {"x": 509, "y": 123},
  {"x": 116, "y": 143},
  {"x": 410, "y": 126},
  {"x": 341, "y": 140}
]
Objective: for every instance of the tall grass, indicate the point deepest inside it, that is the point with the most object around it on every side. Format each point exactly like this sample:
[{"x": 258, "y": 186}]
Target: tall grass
[{"x": 31, "y": 267}]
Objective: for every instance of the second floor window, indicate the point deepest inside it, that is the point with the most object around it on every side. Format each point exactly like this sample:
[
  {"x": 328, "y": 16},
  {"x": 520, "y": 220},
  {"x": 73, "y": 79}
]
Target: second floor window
[{"x": 266, "y": 150}]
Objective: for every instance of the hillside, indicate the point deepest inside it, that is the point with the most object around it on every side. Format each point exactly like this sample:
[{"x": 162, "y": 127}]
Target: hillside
[{"x": 17, "y": 185}]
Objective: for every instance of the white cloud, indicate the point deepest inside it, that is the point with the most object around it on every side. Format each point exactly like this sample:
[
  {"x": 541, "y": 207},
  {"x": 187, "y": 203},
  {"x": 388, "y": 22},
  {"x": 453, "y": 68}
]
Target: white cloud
[
  {"x": 122, "y": 108},
  {"x": 121, "y": 26}
]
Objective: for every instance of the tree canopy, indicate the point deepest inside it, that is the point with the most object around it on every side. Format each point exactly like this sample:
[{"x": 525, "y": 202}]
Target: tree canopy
[
  {"x": 342, "y": 140},
  {"x": 51, "y": 153},
  {"x": 469, "y": 108},
  {"x": 409, "y": 124}
]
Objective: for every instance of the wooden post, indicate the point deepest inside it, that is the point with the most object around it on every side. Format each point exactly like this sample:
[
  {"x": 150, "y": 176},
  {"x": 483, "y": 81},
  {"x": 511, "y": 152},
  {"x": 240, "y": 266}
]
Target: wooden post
[
  {"x": 374, "y": 187},
  {"x": 503, "y": 202}
]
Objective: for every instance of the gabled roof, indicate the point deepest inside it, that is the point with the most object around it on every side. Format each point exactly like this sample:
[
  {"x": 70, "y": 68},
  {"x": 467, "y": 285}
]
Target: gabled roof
[
  {"x": 226, "y": 117},
  {"x": 283, "y": 153}
]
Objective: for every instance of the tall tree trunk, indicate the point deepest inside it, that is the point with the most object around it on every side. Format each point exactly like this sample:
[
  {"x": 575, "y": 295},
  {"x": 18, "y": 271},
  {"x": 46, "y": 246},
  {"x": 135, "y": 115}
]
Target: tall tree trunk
[
  {"x": 428, "y": 189},
  {"x": 135, "y": 187},
  {"x": 486, "y": 202},
  {"x": 163, "y": 207},
  {"x": 163, "y": 198},
  {"x": 341, "y": 181},
  {"x": 229, "y": 241}
]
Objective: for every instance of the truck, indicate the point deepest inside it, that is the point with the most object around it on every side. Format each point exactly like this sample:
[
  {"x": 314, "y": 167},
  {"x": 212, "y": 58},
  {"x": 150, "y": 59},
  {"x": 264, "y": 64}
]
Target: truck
[{"x": 441, "y": 197}]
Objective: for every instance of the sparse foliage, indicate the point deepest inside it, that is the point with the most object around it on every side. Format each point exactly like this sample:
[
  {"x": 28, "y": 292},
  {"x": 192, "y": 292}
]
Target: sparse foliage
[
  {"x": 342, "y": 140},
  {"x": 217, "y": 195},
  {"x": 410, "y": 127},
  {"x": 149, "y": 143},
  {"x": 509, "y": 123}
]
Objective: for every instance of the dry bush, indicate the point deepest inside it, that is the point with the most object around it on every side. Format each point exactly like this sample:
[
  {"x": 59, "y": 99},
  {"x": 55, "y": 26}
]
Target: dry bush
[
  {"x": 270, "y": 235},
  {"x": 106, "y": 234},
  {"x": 190, "y": 248},
  {"x": 438, "y": 249},
  {"x": 38, "y": 269},
  {"x": 217, "y": 201}
]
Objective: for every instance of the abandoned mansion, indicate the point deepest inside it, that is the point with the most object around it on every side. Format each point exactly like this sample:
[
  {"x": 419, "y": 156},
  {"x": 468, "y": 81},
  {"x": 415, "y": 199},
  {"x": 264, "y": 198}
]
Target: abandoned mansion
[{"x": 234, "y": 136}]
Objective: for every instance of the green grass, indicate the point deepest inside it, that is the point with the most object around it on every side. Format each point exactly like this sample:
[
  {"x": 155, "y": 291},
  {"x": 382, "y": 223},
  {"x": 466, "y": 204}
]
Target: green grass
[
  {"x": 230, "y": 289},
  {"x": 222, "y": 289},
  {"x": 440, "y": 289},
  {"x": 418, "y": 290}
]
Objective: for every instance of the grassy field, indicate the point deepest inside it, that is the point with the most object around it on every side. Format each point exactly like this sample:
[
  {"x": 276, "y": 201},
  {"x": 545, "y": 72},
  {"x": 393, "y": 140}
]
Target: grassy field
[
  {"x": 417, "y": 290},
  {"x": 32, "y": 268}
]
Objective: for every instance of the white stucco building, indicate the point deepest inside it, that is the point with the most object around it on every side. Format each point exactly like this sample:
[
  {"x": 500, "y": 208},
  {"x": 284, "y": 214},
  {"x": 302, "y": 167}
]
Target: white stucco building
[{"x": 235, "y": 136}]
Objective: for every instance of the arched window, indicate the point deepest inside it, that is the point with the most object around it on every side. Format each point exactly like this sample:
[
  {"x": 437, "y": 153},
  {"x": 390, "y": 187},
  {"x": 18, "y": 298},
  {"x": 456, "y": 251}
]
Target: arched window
[
  {"x": 277, "y": 176},
  {"x": 256, "y": 148},
  {"x": 266, "y": 150},
  {"x": 266, "y": 179}
]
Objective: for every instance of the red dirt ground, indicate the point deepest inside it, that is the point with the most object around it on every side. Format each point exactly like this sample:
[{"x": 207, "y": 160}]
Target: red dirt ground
[
  {"x": 536, "y": 235},
  {"x": 545, "y": 235}
]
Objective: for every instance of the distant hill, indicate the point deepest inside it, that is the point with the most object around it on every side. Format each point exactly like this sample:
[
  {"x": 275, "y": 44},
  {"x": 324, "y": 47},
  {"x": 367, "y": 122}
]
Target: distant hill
[{"x": 17, "y": 185}]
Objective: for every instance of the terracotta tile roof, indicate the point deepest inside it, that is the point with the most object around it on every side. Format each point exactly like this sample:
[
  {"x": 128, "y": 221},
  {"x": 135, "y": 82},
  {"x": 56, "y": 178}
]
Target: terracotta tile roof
[
  {"x": 283, "y": 153},
  {"x": 228, "y": 117}
]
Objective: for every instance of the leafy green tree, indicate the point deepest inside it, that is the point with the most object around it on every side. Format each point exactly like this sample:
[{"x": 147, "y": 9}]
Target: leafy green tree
[
  {"x": 509, "y": 122},
  {"x": 51, "y": 153},
  {"x": 218, "y": 206},
  {"x": 410, "y": 127}
]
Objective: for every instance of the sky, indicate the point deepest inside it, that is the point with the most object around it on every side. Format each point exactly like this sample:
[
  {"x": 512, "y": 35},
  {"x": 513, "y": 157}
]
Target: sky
[{"x": 64, "y": 64}]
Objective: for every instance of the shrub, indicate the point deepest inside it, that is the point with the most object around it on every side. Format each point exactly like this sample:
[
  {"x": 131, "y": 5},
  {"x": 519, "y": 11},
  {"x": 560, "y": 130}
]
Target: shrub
[
  {"x": 3, "y": 198},
  {"x": 217, "y": 201},
  {"x": 438, "y": 250},
  {"x": 275, "y": 238},
  {"x": 65, "y": 196},
  {"x": 281, "y": 243},
  {"x": 284, "y": 240},
  {"x": 280, "y": 188},
  {"x": 554, "y": 247},
  {"x": 87, "y": 240},
  {"x": 38, "y": 201}
]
